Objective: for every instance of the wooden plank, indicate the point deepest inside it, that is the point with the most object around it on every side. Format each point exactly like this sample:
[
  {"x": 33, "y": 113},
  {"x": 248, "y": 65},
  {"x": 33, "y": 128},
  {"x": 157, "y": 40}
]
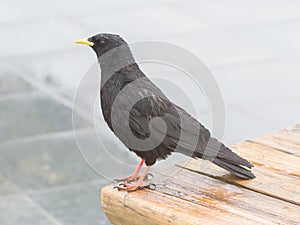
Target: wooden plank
[
  {"x": 187, "y": 197},
  {"x": 277, "y": 173},
  {"x": 287, "y": 140}
]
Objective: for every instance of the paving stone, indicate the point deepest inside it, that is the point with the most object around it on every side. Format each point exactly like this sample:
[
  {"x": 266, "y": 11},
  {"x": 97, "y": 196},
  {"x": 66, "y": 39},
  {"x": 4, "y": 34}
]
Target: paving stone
[
  {"x": 102, "y": 7},
  {"x": 255, "y": 84},
  {"x": 11, "y": 83},
  {"x": 106, "y": 154},
  {"x": 264, "y": 97},
  {"x": 32, "y": 38},
  {"x": 279, "y": 114},
  {"x": 260, "y": 97},
  {"x": 6, "y": 187},
  {"x": 33, "y": 115},
  {"x": 63, "y": 69},
  {"x": 223, "y": 47},
  {"x": 281, "y": 38},
  {"x": 151, "y": 23},
  {"x": 74, "y": 205},
  {"x": 56, "y": 160},
  {"x": 14, "y": 11},
  {"x": 44, "y": 163},
  {"x": 220, "y": 14},
  {"x": 243, "y": 126},
  {"x": 15, "y": 209},
  {"x": 86, "y": 99}
]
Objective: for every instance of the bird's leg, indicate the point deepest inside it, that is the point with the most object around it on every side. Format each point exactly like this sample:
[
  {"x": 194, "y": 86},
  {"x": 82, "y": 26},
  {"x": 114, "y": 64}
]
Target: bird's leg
[
  {"x": 134, "y": 176},
  {"x": 139, "y": 184}
]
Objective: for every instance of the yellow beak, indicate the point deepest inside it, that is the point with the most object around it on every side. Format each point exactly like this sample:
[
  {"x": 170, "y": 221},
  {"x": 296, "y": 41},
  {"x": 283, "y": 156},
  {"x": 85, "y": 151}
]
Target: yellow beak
[{"x": 84, "y": 41}]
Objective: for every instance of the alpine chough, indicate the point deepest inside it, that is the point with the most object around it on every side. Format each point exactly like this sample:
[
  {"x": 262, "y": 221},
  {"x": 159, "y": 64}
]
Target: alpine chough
[{"x": 141, "y": 101}]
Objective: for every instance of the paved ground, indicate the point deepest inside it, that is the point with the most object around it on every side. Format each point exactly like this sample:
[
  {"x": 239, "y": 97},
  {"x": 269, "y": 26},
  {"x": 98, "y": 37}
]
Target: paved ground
[{"x": 252, "y": 48}]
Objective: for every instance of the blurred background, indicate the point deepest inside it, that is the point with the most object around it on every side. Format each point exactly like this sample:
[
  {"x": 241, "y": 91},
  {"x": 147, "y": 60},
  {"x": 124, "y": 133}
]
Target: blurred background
[{"x": 251, "y": 47}]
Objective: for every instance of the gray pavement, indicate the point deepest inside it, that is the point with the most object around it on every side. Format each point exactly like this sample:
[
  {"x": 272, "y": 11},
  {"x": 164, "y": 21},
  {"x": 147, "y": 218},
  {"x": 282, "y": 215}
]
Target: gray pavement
[{"x": 252, "y": 49}]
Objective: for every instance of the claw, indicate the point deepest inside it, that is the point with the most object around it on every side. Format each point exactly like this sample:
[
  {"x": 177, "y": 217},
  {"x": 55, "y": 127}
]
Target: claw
[
  {"x": 125, "y": 184},
  {"x": 117, "y": 187},
  {"x": 126, "y": 180},
  {"x": 132, "y": 188},
  {"x": 149, "y": 176},
  {"x": 152, "y": 186},
  {"x": 148, "y": 186}
]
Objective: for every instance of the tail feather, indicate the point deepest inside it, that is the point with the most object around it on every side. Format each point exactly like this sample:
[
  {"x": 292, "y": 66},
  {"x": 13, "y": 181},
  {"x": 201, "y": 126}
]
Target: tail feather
[
  {"x": 227, "y": 155},
  {"x": 238, "y": 170},
  {"x": 227, "y": 159}
]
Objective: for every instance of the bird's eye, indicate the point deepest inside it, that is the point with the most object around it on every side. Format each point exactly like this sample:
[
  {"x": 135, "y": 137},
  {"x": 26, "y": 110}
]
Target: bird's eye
[{"x": 102, "y": 42}]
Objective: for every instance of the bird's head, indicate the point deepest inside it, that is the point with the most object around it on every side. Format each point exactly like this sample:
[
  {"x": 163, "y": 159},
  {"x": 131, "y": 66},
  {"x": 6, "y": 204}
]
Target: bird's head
[{"x": 101, "y": 43}]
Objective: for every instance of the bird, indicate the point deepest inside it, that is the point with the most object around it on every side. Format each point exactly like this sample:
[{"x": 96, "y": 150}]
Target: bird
[{"x": 146, "y": 121}]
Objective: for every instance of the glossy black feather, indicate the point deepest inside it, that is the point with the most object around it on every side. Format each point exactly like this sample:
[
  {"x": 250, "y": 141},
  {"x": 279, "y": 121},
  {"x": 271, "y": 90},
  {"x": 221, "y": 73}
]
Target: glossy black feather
[{"x": 154, "y": 104}]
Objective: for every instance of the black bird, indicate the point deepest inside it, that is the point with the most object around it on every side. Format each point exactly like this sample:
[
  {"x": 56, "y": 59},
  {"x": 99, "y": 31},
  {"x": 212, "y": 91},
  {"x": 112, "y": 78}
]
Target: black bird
[{"x": 130, "y": 104}]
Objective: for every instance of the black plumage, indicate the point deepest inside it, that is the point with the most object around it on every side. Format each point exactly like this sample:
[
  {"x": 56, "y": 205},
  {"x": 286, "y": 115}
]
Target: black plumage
[{"x": 120, "y": 72}]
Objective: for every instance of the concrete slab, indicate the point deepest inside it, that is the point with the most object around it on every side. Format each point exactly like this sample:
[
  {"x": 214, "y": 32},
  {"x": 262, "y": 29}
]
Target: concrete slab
[
  {"x": 16, "y": 209},
  {"x": 74, "y": 205},
  {"x": 34, "y": 114}
]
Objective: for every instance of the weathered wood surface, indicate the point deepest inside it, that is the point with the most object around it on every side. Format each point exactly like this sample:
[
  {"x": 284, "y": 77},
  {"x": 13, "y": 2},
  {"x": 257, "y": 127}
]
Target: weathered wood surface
[
  {"x": 193, "y": 193},
  {"x": 287, "y": 140},
  {"x": 277, "y": 173}
]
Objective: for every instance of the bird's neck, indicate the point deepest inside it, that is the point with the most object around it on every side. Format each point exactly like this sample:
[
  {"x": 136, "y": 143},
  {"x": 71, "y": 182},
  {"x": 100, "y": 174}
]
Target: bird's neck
[{"x": 115, "y": 60}]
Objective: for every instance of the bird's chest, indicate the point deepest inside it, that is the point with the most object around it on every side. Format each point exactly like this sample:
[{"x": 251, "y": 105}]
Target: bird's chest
[
  {"x": 113, "y": 102},
  {"x": 108, "y": 94}
]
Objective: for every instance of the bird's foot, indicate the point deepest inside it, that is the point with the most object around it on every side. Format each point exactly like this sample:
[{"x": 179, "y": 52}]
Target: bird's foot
[
  {"x": 134, "y": 187},
  {"x": 133, "y": 178},
  {"x": 128, "y": 179}
]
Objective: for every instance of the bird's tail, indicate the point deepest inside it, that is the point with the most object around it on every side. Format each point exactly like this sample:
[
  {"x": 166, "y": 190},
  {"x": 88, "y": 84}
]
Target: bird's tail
[
  {"x": 236, "y": 169},
  {"x": 228, "y": 160}
]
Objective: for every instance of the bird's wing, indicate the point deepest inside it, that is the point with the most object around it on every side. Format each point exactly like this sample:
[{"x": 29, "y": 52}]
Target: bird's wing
[{"x": 182, "y": 132}]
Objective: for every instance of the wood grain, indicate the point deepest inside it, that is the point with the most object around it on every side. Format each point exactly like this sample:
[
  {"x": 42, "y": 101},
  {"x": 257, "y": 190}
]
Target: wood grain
[
  {"x": 287, "y": 140},
  {"x": 191, "y": 198},
  {"x": 198, "y": 192},
  {"x": 277, "y": 173}
]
